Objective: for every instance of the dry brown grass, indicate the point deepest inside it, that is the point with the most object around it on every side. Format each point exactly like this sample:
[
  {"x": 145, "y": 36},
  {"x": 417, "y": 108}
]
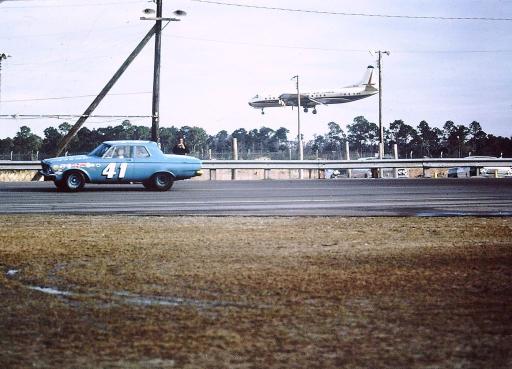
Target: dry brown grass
[
  {"x": 256, "y": 292},
  {"x": 17, "y": 175}
]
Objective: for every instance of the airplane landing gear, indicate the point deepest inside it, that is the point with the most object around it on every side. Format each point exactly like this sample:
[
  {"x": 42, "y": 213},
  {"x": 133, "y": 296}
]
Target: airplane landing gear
[
  {"x": 306, "y": 110},
  {"x": 314, "y": 111},
  {"x": 262, "y": 112}
]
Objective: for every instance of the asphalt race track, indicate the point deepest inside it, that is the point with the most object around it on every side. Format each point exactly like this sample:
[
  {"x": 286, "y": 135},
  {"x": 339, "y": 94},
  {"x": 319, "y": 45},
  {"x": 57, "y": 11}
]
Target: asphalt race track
[{"x": 364, "y": 197}]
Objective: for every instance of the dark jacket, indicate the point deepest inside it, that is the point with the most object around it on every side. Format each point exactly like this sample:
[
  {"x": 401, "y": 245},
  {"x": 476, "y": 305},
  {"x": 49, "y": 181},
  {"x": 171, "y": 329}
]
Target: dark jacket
[{"x": 180, "y": 150}]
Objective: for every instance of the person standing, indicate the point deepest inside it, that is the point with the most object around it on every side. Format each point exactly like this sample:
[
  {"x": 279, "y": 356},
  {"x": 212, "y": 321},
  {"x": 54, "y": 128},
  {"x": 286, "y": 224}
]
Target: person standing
[{"x": 180, "y": 148}]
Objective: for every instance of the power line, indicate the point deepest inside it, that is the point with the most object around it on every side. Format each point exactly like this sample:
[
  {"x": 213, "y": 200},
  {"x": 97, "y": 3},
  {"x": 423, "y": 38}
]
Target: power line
[
  {"x": 74, "y": 97},
  {"x": 61, "y": 116},
  {"x": 67, "y": 5},
  {"x": 280, "y": 46},
  {"x": 96, "y": 29},
  {"x": 351, "y": 14}
]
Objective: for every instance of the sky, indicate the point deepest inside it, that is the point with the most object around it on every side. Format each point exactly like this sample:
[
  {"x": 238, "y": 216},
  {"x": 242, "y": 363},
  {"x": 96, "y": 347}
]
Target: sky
[{"x": 218, "y": 57}]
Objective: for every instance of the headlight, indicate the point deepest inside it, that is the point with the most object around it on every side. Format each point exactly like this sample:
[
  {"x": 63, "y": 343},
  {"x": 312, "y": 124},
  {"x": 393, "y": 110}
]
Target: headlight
[{"x": 56, "y": 167}]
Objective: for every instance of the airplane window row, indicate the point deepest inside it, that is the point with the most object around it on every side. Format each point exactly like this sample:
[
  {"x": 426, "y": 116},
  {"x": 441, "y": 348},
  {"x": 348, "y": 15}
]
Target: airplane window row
[{"x": 324, "y": 95}]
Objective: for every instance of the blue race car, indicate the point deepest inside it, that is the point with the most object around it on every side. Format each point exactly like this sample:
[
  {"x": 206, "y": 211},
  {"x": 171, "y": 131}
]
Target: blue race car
[{"x": 121, "y": 162}]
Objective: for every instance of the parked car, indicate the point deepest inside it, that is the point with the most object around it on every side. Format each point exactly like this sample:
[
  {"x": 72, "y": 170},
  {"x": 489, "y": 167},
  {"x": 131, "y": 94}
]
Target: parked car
[
  {"x": 459, "y": 172},
  {"x": 343, "y": 173},
  {"x": 386, "y": 172},
  {"x": 366, "y": 172},
  {"x": 121, "y": 162},
  {"x": 496, "y": 171},
  {"x": 462, "y": 172}
]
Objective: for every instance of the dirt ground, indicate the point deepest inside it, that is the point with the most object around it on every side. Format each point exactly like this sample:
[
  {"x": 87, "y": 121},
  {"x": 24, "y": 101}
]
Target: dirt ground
[{"x": 192, "y": 292}]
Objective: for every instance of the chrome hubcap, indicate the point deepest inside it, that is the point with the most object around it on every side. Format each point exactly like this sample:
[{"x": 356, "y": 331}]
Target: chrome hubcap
[
  {"x": 161, "y": 180},
  {"x": 73, "y": 181}
]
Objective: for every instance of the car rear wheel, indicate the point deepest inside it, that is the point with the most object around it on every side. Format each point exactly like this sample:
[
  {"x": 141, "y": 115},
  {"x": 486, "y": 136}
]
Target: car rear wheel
[
  {"x": 147, "y": 184},
  {"x": 161, "y": 182},
  {"x": 73, "y": 182}
]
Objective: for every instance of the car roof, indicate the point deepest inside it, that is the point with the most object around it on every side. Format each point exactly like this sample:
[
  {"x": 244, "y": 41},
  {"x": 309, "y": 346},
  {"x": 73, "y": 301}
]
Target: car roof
[{"x": 129, "y": 142}]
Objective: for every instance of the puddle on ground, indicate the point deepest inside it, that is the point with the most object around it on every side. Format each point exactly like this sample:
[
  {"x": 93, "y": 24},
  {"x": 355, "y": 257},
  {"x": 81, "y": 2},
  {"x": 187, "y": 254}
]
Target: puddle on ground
[
  {"x": 172, "y": 301},
  {"x": 51, "y": 291},
  {"x": 124, "y": 297},
  {"x": 12, "y": 272},
  {"x": 110, "y": 299}
]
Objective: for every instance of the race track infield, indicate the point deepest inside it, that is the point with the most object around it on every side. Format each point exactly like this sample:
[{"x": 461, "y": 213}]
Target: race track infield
[{"x": 196, "y": 292}]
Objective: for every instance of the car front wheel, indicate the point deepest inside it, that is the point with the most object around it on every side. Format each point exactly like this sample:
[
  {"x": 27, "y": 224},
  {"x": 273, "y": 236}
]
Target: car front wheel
[
  {"x": 161, "y": 182},
  {"x": 73, "y": 182},
  {"x": 59, "y": 185}
]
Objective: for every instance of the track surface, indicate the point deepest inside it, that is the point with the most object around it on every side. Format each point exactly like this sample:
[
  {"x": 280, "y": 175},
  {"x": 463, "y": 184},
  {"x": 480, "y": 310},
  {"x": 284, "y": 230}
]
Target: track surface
[{"x": 371, "y": 197}]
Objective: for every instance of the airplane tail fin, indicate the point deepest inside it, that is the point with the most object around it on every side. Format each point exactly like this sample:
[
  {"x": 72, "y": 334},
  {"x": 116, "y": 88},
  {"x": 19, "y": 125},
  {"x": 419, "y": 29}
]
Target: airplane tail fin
[{"x": 370, "y": 79}]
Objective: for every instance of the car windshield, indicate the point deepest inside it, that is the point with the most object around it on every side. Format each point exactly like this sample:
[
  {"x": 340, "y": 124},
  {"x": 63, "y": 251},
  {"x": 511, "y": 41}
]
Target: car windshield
[{"x": 100, "y": 150}]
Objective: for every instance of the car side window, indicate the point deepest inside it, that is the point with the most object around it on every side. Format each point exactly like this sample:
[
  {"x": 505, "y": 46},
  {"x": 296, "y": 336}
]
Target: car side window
[
  {"x": 118, "y": 152},
  {"x": 122, "y": 152},
  {"x": 109, "y": 153},
  {"x": 141, "y": 152}
]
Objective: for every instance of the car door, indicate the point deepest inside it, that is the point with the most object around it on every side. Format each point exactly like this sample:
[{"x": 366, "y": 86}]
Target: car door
[
  {"x": 144, "y": 165},
  {"x": 116, "y": 165}
]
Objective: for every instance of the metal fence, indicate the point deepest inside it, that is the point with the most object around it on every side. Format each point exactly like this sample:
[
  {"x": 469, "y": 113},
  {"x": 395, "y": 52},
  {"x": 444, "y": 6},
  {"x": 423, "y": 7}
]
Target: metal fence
[
  {"x": 279, "y": 155},
  {"x": 244, "y": 154},
  {"x": 223, "y": 155}
]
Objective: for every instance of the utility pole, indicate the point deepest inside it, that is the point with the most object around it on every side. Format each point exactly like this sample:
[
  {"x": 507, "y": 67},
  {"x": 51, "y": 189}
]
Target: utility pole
[
  {"x": 381, "y": 128},
  {"x": 155, "y": 124},
  {"x": 299, "y": 134},
  {"x": 3, "y": 56}
]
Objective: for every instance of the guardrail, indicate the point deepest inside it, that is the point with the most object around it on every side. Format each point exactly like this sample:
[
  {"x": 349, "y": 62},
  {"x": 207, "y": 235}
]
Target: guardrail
[
  {"x": 355, "y": 164},
  {"x": 212, "y": 165},
  {"x": 320, "y": 165},
  {"x": 19, "y": 165}
]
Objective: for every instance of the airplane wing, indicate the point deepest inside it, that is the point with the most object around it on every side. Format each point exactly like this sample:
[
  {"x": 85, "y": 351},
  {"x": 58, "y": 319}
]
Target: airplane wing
[
  {"x": 316, "y": 101},
  {"x": 291, "y": 99},
  {"x": 305, "y": 100},
  {"x": 337, "y": 100}
]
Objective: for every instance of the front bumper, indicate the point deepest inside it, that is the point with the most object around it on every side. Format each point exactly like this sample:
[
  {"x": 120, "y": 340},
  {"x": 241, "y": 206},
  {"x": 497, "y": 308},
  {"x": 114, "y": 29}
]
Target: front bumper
[
  {"x": 48, "y": 176},
  {"x": 48, "y": 173}
]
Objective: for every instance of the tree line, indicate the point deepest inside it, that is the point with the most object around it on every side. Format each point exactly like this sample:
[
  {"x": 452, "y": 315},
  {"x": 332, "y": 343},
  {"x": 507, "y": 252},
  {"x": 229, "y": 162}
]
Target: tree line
[{"x": 452, "y": 140}]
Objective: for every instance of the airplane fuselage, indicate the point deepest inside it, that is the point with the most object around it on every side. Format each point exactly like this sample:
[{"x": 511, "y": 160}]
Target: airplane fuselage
[
  {"x": 311, "y": 99},
  {"x": 342, "y": 96}
]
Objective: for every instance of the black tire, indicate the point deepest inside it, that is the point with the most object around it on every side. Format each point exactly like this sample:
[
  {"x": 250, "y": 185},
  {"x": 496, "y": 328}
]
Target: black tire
[
  {"x": 147, "y": 185},
  {"x": 73, "y": 181},
  {"x": 59, "y": 185},
  {"x": 162, "y": 181}
]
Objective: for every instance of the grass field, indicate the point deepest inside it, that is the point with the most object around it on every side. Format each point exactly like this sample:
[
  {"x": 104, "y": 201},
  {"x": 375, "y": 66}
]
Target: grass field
[{"x": 192, "y": 292}]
